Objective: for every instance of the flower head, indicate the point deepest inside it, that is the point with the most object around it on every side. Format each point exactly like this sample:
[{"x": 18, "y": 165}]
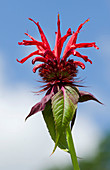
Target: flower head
[{"x": 54, "y": 69}]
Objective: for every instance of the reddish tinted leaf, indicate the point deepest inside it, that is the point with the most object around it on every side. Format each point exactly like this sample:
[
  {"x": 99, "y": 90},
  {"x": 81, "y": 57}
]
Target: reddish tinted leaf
[
  {"x": 85, "y": 96},
  {"x": 41, "y": 105}
]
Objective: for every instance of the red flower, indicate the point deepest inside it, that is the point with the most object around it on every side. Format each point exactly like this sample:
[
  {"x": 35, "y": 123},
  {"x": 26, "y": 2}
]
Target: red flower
[{"x": 54, "y": 70}]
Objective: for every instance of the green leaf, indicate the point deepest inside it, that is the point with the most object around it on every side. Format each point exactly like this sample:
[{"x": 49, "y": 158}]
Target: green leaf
[
  {"x": 64, "y": 105},
  {"x": 49, "y": 120}
]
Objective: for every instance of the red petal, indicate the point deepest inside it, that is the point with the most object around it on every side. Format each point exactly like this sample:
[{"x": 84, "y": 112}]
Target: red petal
[
  {"x": 79, "y": 64},
  {"x": 39, "y": 59},
  {"x": 30, "y": 36},
  {"x": 71, "y": 51},
  {"x": 75, "y": 53},
  {"x": 43, "y": 37},
  {"x": 63, "y": 39},
  {"x": 85, "y": 45},
  {"x": 76, "y": 33},
  {"x": 39, "y": 47},
  {"x": 30, "y": 55},
  {"x": 57, "y": 48},
  {"x": 81, "y": 25},
  {"x": 73, "y": 38},
  {"x": 37, "y": 66},
  {"x": 68, "y": 46},
  {"x": 49, "y": 54},
  {"x": 85, "y": 58},
  {"x": 35, "y": 42},
  {"x": 58, "y": 24}
]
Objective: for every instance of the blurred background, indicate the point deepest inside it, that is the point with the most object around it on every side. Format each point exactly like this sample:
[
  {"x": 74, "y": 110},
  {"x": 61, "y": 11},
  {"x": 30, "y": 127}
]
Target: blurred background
[{"x": 27, "y": 145}]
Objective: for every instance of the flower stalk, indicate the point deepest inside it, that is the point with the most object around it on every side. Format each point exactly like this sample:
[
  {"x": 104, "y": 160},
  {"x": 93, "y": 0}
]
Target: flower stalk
[{"x": 72, "y": 149}]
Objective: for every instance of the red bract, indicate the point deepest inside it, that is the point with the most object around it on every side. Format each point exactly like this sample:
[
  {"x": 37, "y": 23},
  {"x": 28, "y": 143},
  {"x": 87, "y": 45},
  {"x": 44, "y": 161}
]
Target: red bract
[{"x": 54, "y": 70}]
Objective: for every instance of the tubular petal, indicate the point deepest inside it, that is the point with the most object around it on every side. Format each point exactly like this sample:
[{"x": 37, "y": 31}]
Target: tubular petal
[
  {"x": 37, "y": 66},
  {"x": 30, "y": 36},
  {"x": 75, "y": 53},
  {"x": 63, "y": 39},
  {"x": 85, "y": 58},
  {"x": 39, "y": 59},
  {"x": 68, "y": 46},
  {"x": 68, "y": 53},
  {"x": 58, "y": 24},
  {"x": 76, "y": 33},
  {"x": 30, "y": 55},
  {"x": 85, "y": 45},
  {"x": 81, "y": 25},
  {"x": 39, "y": 47},
  {"x": 49, "y": 54},
  {"x": 57, "y": 48},
  {"x": 43, "y": 37},
  {"x": 35, "y": 42},
  {"x": 73, "y": 38},
  {"x": 79, "y": 64}
]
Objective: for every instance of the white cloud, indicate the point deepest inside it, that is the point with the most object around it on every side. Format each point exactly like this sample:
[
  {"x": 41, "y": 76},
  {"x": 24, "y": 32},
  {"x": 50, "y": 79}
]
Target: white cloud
[
  {"x": 27, "y": 145},
  {"x": 87, "y": 136}
]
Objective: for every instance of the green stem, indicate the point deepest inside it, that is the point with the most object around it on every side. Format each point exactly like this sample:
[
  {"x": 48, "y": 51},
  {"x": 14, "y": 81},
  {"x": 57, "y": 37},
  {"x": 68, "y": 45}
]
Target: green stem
[{"x": 72, "y": 149}]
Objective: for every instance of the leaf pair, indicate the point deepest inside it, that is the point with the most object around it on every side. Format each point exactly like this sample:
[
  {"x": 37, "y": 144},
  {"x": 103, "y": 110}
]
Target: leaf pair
[{"x": 59, "y": 112}]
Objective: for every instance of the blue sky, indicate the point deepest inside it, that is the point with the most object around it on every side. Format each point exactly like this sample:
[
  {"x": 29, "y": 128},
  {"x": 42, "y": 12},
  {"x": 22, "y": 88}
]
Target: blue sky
[{"x": 17, "y": 81}]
